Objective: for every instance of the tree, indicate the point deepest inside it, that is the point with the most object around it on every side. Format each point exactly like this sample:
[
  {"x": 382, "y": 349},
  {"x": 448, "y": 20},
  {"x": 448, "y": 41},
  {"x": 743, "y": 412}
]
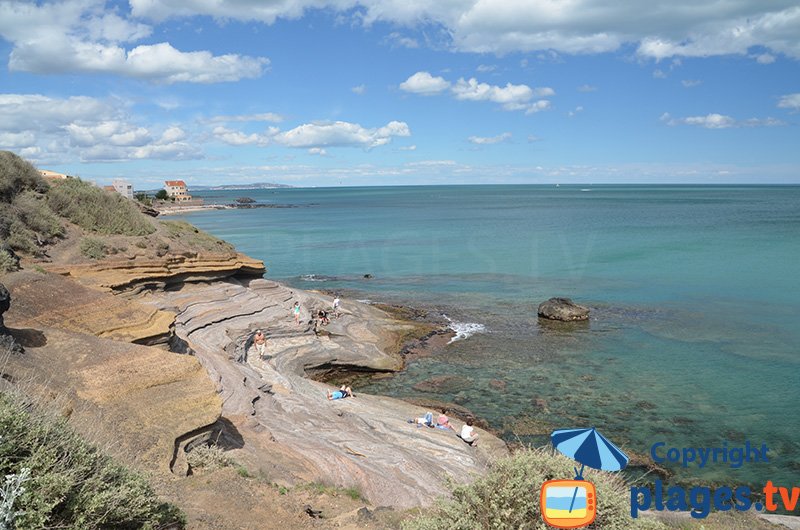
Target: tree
[{"x": 161, "y": 195}]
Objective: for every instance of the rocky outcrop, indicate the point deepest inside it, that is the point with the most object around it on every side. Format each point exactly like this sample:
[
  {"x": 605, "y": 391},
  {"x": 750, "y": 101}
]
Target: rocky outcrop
[
  {"x": 563, "y": 309},
  {"x": 134, "y": 275},
  {"x": 7, "y": 341},
  {"x": 138, "y": 402},
  {"x": 291, "y": 432},
  {"x": 49, "y": 300}
]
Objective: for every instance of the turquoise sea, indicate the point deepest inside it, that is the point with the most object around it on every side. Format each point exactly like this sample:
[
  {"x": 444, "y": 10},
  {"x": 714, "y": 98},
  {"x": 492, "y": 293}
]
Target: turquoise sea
[{"x": 694, "y": 334}]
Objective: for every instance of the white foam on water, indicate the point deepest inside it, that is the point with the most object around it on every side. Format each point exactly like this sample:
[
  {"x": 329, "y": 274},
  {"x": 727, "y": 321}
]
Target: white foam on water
[
  {"x": 312, "y": 278},
  {"x": 464, "y": 330}
]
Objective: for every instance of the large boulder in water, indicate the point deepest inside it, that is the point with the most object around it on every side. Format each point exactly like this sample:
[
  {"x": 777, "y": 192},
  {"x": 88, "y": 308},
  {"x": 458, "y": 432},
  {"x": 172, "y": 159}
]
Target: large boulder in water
[{"x": 563, "y": 309}]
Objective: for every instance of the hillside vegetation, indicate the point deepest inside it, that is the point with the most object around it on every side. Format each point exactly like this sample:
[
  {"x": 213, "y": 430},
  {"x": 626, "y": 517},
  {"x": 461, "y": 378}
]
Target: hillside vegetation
[
  {"x": 508, "y": 498},
  {"x": 53, "y": 478},
  {"x": 35, "y": 216}
]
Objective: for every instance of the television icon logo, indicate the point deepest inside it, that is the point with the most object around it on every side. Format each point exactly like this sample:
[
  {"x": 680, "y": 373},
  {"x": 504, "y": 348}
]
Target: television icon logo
[{"x": 568, "y": 503}]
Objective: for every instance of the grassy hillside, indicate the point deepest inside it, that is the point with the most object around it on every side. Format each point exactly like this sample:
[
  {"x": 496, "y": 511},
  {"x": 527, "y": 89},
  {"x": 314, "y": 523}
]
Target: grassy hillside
[{"x": 80, "y": 221}]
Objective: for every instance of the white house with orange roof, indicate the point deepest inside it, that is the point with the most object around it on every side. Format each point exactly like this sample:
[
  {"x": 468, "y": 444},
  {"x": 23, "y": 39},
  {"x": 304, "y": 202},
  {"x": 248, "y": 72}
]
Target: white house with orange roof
[{"x": 176, "y": 189}]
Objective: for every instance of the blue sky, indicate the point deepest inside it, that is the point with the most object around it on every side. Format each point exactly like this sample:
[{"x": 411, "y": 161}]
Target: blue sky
[{"x": 386, "y": 92}]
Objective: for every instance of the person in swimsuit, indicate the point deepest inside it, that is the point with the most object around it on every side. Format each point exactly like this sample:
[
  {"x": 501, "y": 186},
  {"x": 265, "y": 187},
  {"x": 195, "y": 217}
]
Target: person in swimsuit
[
  {"x": 343, "y": 392},
  {"x": 296, "y": 312},
  {"x": 260, "y": 343}
]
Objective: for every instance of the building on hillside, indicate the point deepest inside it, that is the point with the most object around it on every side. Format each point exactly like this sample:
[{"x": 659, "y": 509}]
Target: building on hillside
[
  {"x": 123, "y": 187},
  {"x": 176, "y": 189},
  {"x": 52, "y": 175},
  {"x": 109, "y": 188}
]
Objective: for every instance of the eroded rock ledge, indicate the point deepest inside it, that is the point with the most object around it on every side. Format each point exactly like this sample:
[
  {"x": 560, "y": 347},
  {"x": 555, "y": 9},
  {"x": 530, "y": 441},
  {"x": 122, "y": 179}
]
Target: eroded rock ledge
[
  {"x": 290, "y": 431},
  {"x": 133, "y": 275}
]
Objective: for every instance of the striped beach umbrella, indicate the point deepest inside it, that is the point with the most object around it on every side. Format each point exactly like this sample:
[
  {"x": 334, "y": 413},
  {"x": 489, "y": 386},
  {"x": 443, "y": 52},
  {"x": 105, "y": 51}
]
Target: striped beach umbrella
[{"x": 590, "y": 448}]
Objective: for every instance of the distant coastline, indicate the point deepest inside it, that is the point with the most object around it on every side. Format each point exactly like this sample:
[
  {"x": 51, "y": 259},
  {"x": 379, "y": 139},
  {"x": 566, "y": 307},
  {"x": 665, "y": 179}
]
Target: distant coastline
[{"x": 231, "y": 187}]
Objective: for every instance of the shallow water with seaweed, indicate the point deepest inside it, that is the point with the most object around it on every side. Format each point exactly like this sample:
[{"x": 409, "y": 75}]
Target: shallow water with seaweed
[{"x": 692, "y": 339}]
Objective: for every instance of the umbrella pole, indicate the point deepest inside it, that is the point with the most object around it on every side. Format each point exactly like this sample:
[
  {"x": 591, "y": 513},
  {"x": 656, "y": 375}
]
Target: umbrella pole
[{"x": 578, "y": 476}]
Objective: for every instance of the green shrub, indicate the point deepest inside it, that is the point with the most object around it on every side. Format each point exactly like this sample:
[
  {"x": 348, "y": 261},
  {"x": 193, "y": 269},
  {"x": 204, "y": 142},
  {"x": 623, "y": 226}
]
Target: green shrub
[
  {"x": 33, "y": 211},
  {"x": 508, "y": 497},
  {"x": 194, "y": 237},
  {"x": 16, "y": 175},
  {"x": 26, "y": 221},
  {"x": 97, "y": 211},
  {"x": 72, "y": 484},
  {"x": 93, "y": 248},
  {"x": 208, "y": 458},
  {"x": 144, "y": 199},
  {"x": 27, "y": 224},
  {"x": 8, "y": 263}
]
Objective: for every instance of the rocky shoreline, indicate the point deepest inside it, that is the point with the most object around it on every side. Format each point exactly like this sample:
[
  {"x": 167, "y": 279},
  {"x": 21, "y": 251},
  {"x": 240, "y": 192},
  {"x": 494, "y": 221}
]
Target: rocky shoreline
[{"x": 269, "y": 414}]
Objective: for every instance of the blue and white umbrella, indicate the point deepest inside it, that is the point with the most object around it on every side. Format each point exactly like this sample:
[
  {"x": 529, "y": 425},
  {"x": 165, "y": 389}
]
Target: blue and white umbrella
[{"x": 590, "y": 448}]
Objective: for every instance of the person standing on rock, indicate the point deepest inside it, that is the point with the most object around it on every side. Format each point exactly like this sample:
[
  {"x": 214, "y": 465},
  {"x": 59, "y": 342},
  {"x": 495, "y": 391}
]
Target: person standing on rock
[
  {"x": 260, "y": 343},
  {"x": 296, "y": 312},
  {"x": 336, "y": 304}
]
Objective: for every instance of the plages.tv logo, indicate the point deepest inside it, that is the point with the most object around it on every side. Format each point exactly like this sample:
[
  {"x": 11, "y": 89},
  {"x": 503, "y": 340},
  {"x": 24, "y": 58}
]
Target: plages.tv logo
[{"x": 573, "y": 503}]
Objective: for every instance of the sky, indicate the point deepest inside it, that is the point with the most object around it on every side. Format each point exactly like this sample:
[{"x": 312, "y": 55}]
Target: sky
[{"x": 399, "y": 92}]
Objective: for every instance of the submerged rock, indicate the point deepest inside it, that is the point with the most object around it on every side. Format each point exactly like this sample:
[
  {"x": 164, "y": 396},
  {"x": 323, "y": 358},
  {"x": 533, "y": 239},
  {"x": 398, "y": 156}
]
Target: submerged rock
[
  {"x": 443, "y": 384},
  {"x": 563, "y": 309}
]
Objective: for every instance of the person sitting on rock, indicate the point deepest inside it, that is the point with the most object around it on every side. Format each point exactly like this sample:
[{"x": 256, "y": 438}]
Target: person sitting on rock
[
  {"x": 426, "y": 420},
  {"x": 260, "y": 343},
  {"x": 323, "y": 317},
  {"x": 343, "y": 392},
  {"x": 468, "y": 434}
]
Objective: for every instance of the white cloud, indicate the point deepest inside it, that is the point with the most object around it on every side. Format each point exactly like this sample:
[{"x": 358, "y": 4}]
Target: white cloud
[
  {"x": 667, "y": 28},
  {"x": 482, "y": 140},
  {"x": 790, "y": 101},
  {"x": 587, "y": 88},
  {"x": 408, "y": 148},
  {"x": 691, "y": 83},
  {"x": 425, "y": 84},
  {"x": 577, "y": 110},
  {"x": 113, "y": 132},
  {"x": 764, "y": 58},
  {"x": 75, "y": 36},
  {"x": 510, "y": 97},
  {"x": 533, "y": 138},
  {"x": 12, "y": 140},
  {"x": 472, "y": 90},
  {"x": 264, "y": 116},
  {"x": 84, "y": 128},
  {"x": 317, "y": 151},
  {"x": 720, "y": 121},
  {"x": 238, "y": 138},
  {"x": 486, "y": 68},
  {"x": 341, "y": 134},
  {"x": 398, "y": 40},
  {"x": 360, "y": 89},
  {"x": 659, "y": 74}
]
